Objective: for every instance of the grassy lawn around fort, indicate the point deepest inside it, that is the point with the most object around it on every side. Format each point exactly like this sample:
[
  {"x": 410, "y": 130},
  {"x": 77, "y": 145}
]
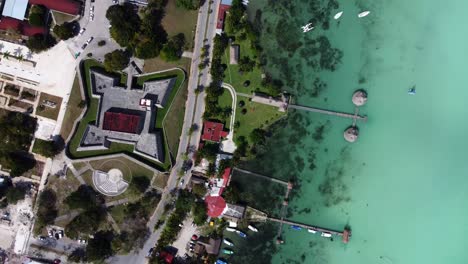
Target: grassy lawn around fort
[
  {"x": 91, "y": 115},
  {"x": 257, "y": 116},
  {"x": 180, "y": 20},
  {"x": 73, "y": 110}
]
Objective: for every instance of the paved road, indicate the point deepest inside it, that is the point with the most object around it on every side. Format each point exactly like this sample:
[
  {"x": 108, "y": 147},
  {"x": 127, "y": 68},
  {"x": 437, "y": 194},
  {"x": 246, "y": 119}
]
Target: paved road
[{"x": 194, "y": 108}]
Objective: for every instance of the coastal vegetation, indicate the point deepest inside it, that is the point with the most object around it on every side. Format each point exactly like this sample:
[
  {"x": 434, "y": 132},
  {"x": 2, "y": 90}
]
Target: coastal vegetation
[{"x": 17, "y": 133}]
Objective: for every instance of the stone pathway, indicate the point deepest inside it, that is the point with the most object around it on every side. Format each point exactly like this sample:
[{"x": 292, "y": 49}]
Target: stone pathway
[
  {"x": 72, "y": 214},
  {"x": 75, "y": 173},
  {"x": 113, "y": 223}
]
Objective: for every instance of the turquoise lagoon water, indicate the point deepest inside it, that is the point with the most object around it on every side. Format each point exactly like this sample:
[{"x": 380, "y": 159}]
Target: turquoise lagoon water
[{"x": 403, "y": 186}]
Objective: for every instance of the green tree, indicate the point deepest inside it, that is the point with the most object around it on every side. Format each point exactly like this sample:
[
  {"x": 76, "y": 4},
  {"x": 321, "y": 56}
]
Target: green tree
[
  {"x": 236, "y": 13},
  {"x": 199, "y": 213},
  {"x": 15, "y": 194},
  {"x": 40, "y": 42},
  {"x": 125, "y": 23},
  {"x": 257, "y": 136},
  {"x": 86, "y": 223},
  {"x": 37, "y": 15},
  {"x": 188, "y": 4},
  {"x": 99, "y": 248},
  {"x": 116, "y": 60},
  {"x": 64, "y": 31},
  {"x": 46, "y": 148},
  {"x": 232, "y": 193},
  {"x": 46, "y": 212},
  {"x": 84, "y": 198},
  {"x": 199, "y": 190},
  {"x": 140, "y": 183},
  {"x": 246, "y": 64}
]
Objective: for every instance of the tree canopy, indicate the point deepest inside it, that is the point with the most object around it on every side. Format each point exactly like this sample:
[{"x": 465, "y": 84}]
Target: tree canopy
[
  {"x": 124, "y": 23},
  {"x": 14, "y": 194},
  {"x": 46, "y": 148},
  {"x": 116, "y": 60},
  {"x": 173, "y": 49},
  {"x": 86, "y": 223},
  {"x": 188, "y": 4},
  {"x": 99, "y": 248},
  {"x": 47, "y": 211},
  {"x": 199, "y": 213},
  {"x": 64, "y": 31},
  {"x": 84, "y": 198},
  {"x": 37, "y": 15},
  {"x": 40, "y": 42}
]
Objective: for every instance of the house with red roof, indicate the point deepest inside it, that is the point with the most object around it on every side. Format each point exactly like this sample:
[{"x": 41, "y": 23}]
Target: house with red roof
[
  {"x": 222, "y": 10},
  {"x": 70, "y": 7},
  {"x": 213, "y": 131}
]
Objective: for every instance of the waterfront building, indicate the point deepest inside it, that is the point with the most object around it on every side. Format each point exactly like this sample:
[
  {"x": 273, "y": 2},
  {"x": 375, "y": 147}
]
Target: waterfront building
[
  {"x": 213, "y": 131},
  {"x": 222, "y": 10}
]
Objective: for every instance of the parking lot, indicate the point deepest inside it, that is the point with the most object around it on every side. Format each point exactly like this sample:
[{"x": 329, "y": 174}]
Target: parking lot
[{"x": 98, "y": 29}]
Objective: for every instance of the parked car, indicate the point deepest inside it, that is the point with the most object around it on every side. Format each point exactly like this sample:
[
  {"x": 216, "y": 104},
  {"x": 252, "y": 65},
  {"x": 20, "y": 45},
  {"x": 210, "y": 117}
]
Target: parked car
[
  {"x": 150, "y": 251},
  {"x": 82, "y": 31},
  {"x": 89, "y": 40},
  {"x": 84, "y": 46},
  {"x": 182, "y": 182},
  {"x": 115, "y": 1},
  {"x": 60, "y": 234},
  {"x": 51, "y": 233},
  {"x": 91, "y": 9},
  {"x": 91, "y": 17},
  {"x": 42, "y": 238}
]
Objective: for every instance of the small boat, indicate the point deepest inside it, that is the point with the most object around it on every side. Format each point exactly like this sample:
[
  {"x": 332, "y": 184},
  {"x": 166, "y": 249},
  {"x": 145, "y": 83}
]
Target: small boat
[
  {"x": 311, "y": 230},
  {"x": 326, "y": 234},
  {"x": 295, "y": 227},
  {"x": 241, "y": 234},
  {"x": 227, "y": 242},
  {"x": 363, "y": 14},
  {"x": 219, "y": 261},
  {"x": 307, "y": 28},
  {"x": 253, "y": 228},
  {"x": 228, "y": 251},
  {"x": 230, "y": 229},
  {"x": 338, "y": 15},
  {"x": 412, "y": 91}
]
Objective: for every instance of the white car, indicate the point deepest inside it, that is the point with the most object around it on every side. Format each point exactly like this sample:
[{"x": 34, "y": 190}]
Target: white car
[
  {"x": 82, "y": 31},
  {"x": 91, "y": 17},
  {"x": 89, "y": 40},
  {"x": 91, "y": 9}
]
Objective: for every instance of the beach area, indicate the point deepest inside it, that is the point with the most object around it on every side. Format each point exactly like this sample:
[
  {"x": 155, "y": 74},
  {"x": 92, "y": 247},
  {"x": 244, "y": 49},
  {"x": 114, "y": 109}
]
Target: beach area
[{"x": 401, "y": 187}]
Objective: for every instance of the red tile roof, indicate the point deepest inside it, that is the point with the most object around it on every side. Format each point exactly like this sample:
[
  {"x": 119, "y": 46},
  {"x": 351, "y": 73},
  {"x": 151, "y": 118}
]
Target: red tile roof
[
  {"x": 66, "y": 6},
  {"x": 221, "y": 15},
  {"x": 215, "y": 205},
  {"x": 121, "y": 122},
  {"x": 22, "y": 27},
  {"x": 168, "y": 257},
  {"x": 226, "y": 179},
  {"x": 213, "y": 131}
]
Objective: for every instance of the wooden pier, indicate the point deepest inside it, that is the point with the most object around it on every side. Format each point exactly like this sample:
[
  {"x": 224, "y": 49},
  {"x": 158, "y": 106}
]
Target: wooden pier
[
  {"x": 354, "y": 116},
  {"x": 261, "y": 176}
]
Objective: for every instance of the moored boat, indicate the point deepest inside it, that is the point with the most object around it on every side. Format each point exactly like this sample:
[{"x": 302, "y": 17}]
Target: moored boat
[
  {"x": 230, "y": 229},
  {"x": 241, "y": 234},
  {"x": 228, "y": 251},
  {"x": 338, "y": 15},
  {"x": 363, "y": 14},
  {"x": 227, "y": 242},
  {"x": 311, "y": 230},
  {"x": 295, "y": 227},
  {"x": 253, "y": 228},
  {"x": 326, "y": 234},
  {"x": 412, "y": 91}
]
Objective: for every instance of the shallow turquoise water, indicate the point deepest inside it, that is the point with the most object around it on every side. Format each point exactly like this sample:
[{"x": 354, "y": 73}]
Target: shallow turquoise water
[{"x": 403, "y": 186}]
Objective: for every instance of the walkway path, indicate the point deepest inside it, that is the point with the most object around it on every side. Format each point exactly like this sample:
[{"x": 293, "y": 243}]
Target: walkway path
[
  {"x": 228, "y": 144},
  {"x": 261, "y": 176},
  {"x": 244, "y": 95},
  {"x": 75, "y": 173},
  {"x": 72, "y": 214},
  {"x": 113, "y": 223},
  {"x": 117, "y": 202},
  {"x": 354, "y": 116}
]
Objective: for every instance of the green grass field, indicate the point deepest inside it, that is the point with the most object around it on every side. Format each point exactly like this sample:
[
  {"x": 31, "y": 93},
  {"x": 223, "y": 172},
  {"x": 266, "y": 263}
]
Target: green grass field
[
  {"x": 180, "y": 20},
  {"x": 257, "y": 116},
  {"x": 73, "y": 110}
]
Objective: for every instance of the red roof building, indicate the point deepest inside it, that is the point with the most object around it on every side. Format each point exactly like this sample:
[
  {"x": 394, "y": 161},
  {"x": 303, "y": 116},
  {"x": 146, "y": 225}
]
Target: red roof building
[
  {"x": 23, "y": 27},
  {"x": 221, "y": 16},
  {"x": 121, "y": 122},
  {"x": 213, "y": 131},
  {"x": 226, "y": 179},
  {"x": 166, "y": 256},
  {"x": 215, "y": 205},
  {"x": 65, "y": 6}
]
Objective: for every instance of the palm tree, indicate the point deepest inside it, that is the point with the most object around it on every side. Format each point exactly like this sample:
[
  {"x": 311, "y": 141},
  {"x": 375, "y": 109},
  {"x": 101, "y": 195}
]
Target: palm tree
[{"x": 6, "y": 54}]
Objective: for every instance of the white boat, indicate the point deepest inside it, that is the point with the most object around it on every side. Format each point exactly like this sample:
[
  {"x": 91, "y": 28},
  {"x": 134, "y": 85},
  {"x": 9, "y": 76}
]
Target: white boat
[
  {"x": 412, "y": 91},
  {"x": 338, "y": 15},
  {"x": 307, "y": 28},
  {"x": 253, "y": 228},
  {"x": 230, "y": 229},
  {"x": 227, "y": 242},
  {"x": 363, "y": 14},
  {"x": 326, "y": 234},
  {"x": 310, "y": 230}
]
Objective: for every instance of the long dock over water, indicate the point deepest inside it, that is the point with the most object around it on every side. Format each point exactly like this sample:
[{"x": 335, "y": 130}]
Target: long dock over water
[
  {"x": 261, "y": 176},
  {"x": 354, "y": 116}
]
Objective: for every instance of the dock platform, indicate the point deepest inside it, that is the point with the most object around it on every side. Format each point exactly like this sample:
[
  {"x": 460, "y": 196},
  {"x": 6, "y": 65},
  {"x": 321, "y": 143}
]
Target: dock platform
[{"x": 354, "y": 116}]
